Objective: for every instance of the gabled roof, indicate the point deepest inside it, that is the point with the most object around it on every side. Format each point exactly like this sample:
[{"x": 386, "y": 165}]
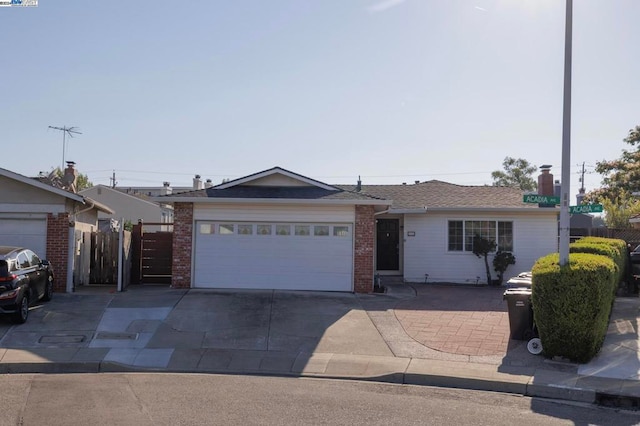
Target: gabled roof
[
  {"x": 40, "y": 185},
  {"x": 52, "y": 189},
  {"x": 435, "y": 194},
  {"x": 294, "y": 177},
  {"x": 274, "y": 185},
  {"x": 132, "y": 198}
]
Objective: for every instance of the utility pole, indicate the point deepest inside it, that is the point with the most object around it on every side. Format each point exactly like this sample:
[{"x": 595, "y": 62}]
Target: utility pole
[
  {"x": 582, "y": 179},
  {"x": 65, "y": 131},
  {"x": 113, "y": 180},
  {"x": 566, "y": 139}
]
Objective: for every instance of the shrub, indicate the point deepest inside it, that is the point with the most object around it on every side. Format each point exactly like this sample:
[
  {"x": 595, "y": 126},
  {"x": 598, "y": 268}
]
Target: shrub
[
  {"x": 613, "y": 248},
  {"x": 572, "y": 303},
  {"x": 501, "y": 262}
]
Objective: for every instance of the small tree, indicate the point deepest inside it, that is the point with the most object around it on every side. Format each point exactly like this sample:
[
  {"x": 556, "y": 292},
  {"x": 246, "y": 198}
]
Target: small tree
[
  {"x": 517, "y": 173},
  {"x": 501, "y": 262},
  {"x": 481, "y": 248}
]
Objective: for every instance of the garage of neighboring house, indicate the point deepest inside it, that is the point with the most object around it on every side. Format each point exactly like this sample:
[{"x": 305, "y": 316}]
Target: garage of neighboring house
[
  {"x": 275, "y": 230},
  {"x": 25, "y": 231},
  {"x": 48, "y": 219}
]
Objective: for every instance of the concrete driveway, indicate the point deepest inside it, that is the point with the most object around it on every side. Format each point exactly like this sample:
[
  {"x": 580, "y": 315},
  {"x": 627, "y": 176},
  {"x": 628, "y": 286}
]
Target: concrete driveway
[
  {"x": 165, "y": 328},
  {"x": 271, "y": 321}
]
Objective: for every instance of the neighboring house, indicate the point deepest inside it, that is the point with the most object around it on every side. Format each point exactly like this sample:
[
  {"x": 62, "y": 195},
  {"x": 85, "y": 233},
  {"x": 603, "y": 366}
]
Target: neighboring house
[
  {"x": 165, "y": 189},
  {"x": 128, "y": 207},
  {"x": 280, "y": 230},
  {"x": 51, "y": 221}
]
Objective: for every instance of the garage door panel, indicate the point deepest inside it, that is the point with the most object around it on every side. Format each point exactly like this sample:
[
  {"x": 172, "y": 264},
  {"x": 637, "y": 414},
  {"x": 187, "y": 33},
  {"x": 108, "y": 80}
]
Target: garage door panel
[
  {"x": 31, "y": 233},
  {"x": 274, "y": 262}
]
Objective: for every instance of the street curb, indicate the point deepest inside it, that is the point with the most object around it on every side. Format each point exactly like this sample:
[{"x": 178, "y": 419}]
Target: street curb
[{"x": 521, "y": 385}]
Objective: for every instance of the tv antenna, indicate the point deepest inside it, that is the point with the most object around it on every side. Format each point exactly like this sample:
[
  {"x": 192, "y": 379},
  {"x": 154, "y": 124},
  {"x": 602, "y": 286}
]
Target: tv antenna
[{"x": 65, "y": 131}]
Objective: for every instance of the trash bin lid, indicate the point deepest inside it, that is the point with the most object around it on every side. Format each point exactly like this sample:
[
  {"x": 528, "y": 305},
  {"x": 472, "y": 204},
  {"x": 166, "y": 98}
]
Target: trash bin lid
[{"x": 523, "y": 291}]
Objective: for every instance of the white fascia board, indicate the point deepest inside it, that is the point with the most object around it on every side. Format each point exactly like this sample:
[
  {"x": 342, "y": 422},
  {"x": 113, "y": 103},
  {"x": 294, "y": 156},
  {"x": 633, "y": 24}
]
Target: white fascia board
[
  {"x": 32, "y": 208},
  {"x": 422, "y": 210},
  {"x": 204, "y": 200},
  {"x": 541, "y": 210},
  {"x": 275, "y": 170}
]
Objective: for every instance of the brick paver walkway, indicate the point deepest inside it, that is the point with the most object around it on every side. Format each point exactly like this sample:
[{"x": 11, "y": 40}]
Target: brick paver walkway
[{"x": 457, "y": 319}]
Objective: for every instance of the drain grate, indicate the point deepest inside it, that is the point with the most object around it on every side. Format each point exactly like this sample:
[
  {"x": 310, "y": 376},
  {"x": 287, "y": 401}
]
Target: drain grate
[
  {"x": 62, "y": 339},
  {"x": 109, "y": 335}
]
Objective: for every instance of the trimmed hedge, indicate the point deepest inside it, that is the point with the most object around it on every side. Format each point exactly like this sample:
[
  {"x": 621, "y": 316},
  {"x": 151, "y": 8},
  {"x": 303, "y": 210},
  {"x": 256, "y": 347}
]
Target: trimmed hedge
[
  {"x": 572, "y": 304},
  {"x": 614, "y": 248}
]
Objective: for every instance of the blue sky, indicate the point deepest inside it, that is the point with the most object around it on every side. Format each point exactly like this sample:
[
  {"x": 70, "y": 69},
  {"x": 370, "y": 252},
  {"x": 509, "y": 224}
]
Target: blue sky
[{"x": 392, "y": 90}]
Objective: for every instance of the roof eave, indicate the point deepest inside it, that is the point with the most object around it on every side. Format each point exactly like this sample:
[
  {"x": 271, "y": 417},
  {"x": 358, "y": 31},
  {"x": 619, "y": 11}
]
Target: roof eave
[
  {"x": 555, "y": 210},
  {"x": 206, "y": 200},
  {"x": 37, "y": 184}
]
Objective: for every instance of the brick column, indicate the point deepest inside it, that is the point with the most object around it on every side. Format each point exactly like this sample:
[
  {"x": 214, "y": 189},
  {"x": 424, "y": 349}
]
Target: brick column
[
  {"x": 182, "y": 245},
  {"x": 364, "y": 249},
  {"x": 58, "y": 248}
]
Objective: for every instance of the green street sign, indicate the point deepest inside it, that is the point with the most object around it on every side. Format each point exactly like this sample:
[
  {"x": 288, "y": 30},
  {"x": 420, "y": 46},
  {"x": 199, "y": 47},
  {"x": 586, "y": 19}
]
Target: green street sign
[
  {"x": 586, "y": 208},
  {"x": 540, "y": 199}
]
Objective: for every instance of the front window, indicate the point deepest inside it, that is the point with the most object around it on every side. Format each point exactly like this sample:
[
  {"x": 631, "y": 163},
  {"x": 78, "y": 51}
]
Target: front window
[{"x": 461, "y": 234}]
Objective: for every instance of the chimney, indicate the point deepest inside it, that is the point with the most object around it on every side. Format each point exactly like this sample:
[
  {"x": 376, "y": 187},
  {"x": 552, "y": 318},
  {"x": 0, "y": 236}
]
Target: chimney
[
  {"x": 70, "y": 177},
  {"x": 197, "y": 183},
  {"x": 166, "y": 188},
  {"x": 545, "y": 183},
  {"x": 557, "y": 188},
  {"x": 359, "y": 185},
  {"x": 580, "y": 196},
  {"x": 208, "y": 183}
]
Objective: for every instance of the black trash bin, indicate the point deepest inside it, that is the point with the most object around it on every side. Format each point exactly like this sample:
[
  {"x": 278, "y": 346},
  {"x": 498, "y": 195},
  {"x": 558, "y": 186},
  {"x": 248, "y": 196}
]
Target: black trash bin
[{"x": 520, "y": 313}]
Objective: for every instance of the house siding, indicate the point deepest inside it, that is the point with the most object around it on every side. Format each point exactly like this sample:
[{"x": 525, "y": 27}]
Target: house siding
[
  {"x": 182, "y": 245},
  {"x": 535, "y": 235},
  {"x": 364, "y": 232},
  {"x": 58, "y": 248}
]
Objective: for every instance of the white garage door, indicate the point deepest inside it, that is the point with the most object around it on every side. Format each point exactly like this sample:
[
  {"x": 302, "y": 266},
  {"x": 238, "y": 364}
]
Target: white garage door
[
  {"x": 31, "y": 233},
  {"x": 283, "y": 256}
]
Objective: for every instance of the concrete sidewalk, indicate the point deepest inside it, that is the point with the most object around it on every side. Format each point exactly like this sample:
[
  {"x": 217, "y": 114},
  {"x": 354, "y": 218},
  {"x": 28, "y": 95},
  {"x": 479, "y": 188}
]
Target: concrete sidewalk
[{"x": 296, "y": 334}]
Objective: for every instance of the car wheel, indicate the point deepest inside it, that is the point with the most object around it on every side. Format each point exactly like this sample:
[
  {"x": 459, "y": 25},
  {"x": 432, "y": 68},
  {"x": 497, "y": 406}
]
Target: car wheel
[
  {"x": 48, "y": 291},
  {"x": 21, "y": 316}
]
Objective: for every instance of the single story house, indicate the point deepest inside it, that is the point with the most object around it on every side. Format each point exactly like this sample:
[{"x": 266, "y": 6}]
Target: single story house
[
  {"x": 277, "y": 229},
  {"x": 49, "y": 220},
  {"x": 128, "y": 207}
]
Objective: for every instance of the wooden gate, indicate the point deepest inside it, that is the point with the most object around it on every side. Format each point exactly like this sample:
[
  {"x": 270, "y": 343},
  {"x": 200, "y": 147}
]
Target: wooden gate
[
  {"x": 104, "y": 256},
  {"x": 152, "y": 253}
]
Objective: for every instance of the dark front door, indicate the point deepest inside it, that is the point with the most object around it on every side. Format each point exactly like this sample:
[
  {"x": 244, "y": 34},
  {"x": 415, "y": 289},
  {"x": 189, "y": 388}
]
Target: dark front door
[{"x": 388, "y": 245}]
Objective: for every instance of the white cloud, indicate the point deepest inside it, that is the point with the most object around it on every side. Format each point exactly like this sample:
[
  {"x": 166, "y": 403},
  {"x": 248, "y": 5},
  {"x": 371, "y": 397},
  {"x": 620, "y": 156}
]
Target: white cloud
[{"x": 384, "y": 5}]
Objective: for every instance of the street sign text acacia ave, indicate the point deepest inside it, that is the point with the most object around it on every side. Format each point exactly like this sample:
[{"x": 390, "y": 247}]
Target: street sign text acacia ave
[
  {"x": 540, "y": 199},
  {"x": 586, "y": 208}
]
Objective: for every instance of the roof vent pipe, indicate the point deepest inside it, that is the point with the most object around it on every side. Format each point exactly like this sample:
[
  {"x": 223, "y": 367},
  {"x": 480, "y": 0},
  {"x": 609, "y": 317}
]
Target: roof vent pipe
[{"x": 359, "y": 185}]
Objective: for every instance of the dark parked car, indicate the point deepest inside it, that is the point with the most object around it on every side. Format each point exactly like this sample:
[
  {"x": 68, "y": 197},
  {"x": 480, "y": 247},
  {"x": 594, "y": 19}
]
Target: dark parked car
[{"x": 24, "y": 280}]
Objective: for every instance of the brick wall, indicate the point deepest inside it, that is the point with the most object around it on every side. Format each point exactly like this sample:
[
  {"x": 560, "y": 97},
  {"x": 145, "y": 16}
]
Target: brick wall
[
  {"x": 364, "y": 249},
  {"x": 182, "y": 245},
  {"x": 58, "y": 248}
]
